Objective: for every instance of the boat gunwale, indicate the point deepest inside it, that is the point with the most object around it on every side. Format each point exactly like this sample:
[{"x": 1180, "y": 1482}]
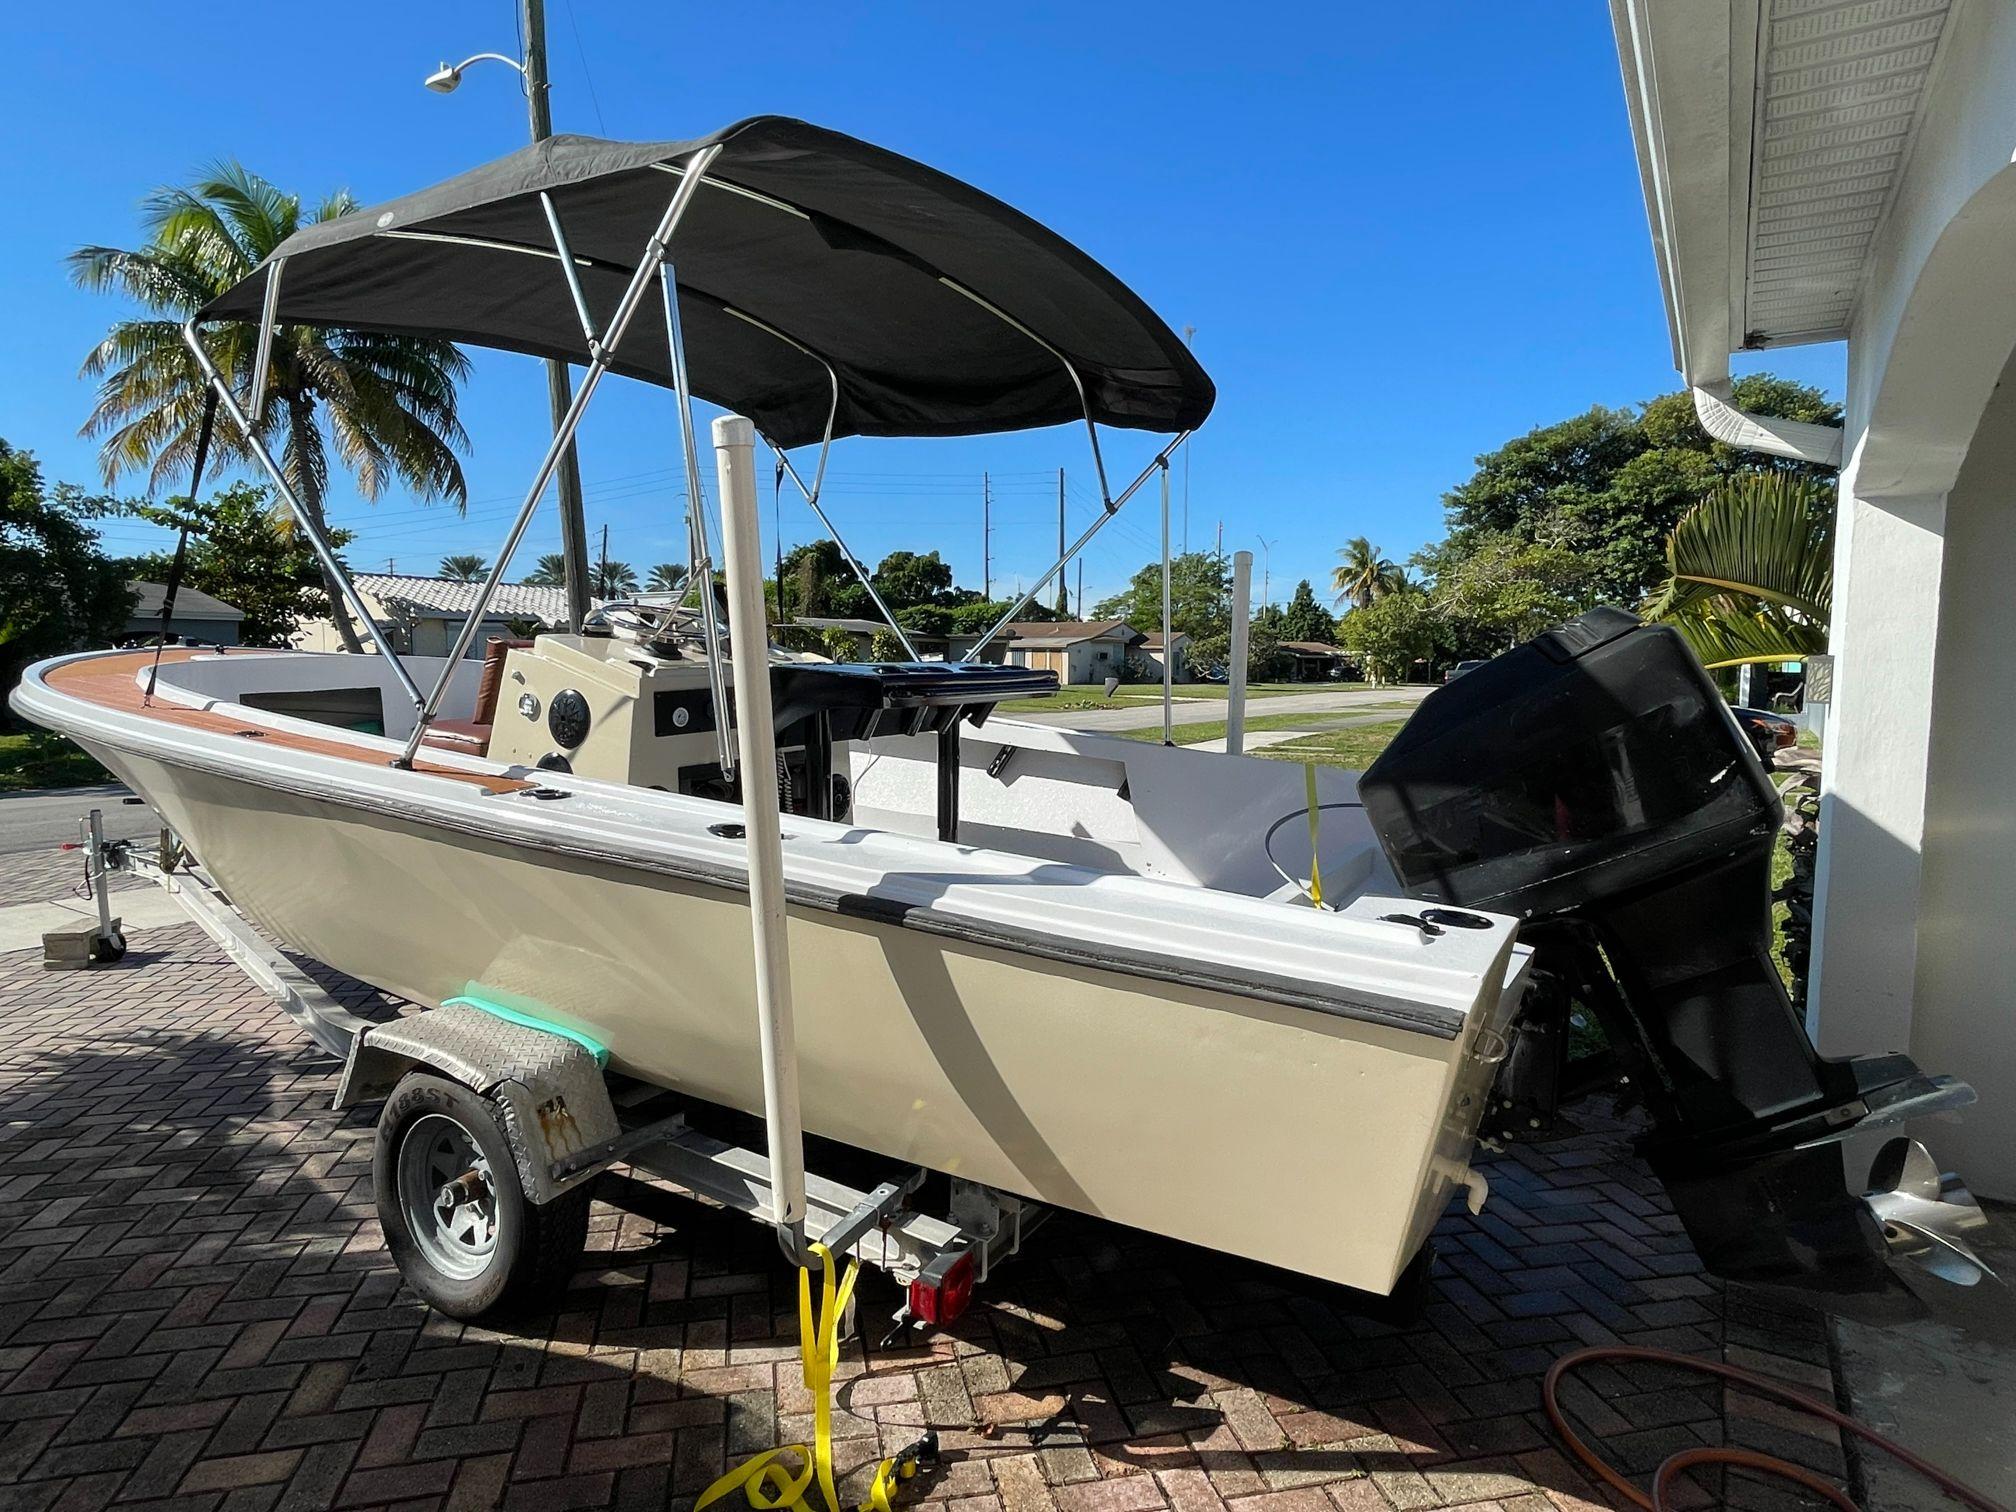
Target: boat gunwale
[{"x": 1435, "y": 1021}]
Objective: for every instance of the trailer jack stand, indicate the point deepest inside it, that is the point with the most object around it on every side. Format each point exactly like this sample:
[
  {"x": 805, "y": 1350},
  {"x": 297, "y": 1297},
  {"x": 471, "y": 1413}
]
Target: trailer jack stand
[{"x": 94, "y": 944}]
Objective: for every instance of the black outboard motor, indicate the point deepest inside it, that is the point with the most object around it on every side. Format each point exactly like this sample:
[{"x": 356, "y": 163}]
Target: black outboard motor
[{"x": 1594, "y": 782}]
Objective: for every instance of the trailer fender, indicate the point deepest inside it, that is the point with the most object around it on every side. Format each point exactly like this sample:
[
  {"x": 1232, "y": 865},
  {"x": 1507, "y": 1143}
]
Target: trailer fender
[{"x": 550, "y": 1088}]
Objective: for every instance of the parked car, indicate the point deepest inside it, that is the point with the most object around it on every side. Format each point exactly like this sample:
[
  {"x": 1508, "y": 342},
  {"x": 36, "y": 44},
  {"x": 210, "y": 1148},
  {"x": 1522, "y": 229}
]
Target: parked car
[
  {"x": 1768, "y": 733},
  {"x": 1460, "y": 668}
]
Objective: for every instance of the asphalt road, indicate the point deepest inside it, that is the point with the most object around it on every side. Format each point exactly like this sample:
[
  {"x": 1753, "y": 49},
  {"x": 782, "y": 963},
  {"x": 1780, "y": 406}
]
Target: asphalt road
[
  {"x": 1139, "y": 716},
  {"x": 43, "y": 821}
]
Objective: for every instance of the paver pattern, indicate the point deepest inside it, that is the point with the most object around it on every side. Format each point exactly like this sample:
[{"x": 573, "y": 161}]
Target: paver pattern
[{"x": 196, "y": 1311}]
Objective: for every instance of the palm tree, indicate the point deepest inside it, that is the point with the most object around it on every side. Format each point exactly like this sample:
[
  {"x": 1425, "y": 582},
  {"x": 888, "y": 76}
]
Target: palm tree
[
  {"x": 385, "y": 405},
  {"x": 463, "y": 569},
  {"x": 667, "y": 577},
  {"x": 613, "y": 579},
  {"x": 1364, "y": 574},
  {"x": 551, "y": 571},
  {"x": 1750, "y": 571}
]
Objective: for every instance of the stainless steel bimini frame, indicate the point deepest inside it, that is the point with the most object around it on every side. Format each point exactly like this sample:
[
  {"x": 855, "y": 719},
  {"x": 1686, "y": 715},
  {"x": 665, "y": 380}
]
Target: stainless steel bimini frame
[{"x": 655, "y": 264}]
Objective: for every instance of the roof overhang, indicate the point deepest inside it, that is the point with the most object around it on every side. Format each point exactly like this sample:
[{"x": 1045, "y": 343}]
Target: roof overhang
[{"x": 1771, "y": 136}]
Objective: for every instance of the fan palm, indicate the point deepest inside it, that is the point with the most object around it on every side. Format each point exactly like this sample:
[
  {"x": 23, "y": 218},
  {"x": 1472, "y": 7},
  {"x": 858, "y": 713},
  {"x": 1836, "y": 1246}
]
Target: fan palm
[
  {"x": 667, "y": 577},
  {"x": 384, "y": 405},
  {"x": 1750, "y": 571},
  {"x": 463, "y": 569},
  {"x": 551, "y": 571},
  {"x": 613, "y": 579},
  {"x": 1363, "y": 573}
]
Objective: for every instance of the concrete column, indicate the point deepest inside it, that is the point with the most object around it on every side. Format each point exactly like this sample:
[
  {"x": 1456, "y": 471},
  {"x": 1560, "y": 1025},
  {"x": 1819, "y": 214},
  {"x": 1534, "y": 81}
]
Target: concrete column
[{"x": 1887, "y": 570}]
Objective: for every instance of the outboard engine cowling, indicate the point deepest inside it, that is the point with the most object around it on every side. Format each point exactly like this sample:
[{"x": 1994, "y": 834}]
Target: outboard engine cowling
[{"x": 1594, "y": 782}]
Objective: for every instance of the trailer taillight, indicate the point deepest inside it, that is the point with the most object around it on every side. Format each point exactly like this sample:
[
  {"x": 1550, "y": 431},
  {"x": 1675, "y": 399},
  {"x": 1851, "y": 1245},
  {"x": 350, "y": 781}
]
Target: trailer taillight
[{"x": 942, "y": 1297}]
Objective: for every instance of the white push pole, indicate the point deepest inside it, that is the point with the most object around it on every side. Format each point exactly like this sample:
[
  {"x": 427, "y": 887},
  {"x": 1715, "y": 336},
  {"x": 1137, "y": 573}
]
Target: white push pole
[
  {"x": 756, "y": 743},
  {"x": 1235, "y": 692},
  {"x": 1168, "y": 651}
]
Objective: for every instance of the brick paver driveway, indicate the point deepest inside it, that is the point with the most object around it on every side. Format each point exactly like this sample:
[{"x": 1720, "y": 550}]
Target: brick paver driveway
[{"x": 196, "y": 1311}]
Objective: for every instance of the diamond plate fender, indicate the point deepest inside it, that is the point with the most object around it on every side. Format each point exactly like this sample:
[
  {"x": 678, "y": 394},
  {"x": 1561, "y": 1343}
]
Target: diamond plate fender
[{"x": 549, "y": 1090}]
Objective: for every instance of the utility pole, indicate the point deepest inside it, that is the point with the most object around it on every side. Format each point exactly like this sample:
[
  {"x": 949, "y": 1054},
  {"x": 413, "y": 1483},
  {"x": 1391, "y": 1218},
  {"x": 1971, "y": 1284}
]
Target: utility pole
[
  {"x": 1266, "y": 570},
  {"x": 559, "y": 385},
  {"x": 1063, "y": 589},
  {"x": 1081, "y": 587},
  {"x": 602, "y": 577},
  {"x": 986, "y": 537}
]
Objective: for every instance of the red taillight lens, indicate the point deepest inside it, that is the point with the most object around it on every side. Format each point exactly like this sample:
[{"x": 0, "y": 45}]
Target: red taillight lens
[{"x": 946, "y": 1299}]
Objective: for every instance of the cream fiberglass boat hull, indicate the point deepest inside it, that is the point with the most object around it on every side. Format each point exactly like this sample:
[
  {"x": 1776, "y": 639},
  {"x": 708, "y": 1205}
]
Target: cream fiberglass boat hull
[{"x": 1299, "y": 1135}]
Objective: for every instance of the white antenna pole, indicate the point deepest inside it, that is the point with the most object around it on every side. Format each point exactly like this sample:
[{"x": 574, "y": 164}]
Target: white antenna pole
[
  {"x": 1168, "y": 651},
  {"x": 1235, "y": 675},
  {"x": 756, "y": 742}
]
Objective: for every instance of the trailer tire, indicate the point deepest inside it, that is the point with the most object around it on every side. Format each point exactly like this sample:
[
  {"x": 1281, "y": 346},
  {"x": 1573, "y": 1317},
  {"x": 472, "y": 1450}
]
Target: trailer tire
[{"x": 490, "y": 1252}]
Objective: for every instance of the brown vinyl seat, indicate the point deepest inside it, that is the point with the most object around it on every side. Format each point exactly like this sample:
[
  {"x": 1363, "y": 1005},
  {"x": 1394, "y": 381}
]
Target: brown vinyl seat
[{"x": 472, "y": 736}]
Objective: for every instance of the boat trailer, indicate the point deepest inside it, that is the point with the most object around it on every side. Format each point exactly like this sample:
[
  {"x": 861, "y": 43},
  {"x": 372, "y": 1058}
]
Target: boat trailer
[{"x": 564, "y": 1118}]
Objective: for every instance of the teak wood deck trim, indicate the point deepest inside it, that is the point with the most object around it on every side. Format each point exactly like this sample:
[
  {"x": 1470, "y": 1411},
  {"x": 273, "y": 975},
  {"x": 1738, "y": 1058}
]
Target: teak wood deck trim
[{"x": 112, "y": 682}]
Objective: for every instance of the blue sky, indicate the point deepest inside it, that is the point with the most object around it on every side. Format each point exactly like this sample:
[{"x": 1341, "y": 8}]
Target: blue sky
[{"x": 1402, "y": 235}]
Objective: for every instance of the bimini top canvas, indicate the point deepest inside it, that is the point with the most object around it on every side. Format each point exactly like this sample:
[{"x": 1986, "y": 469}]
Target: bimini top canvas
[{"x": 940, "y": 310}]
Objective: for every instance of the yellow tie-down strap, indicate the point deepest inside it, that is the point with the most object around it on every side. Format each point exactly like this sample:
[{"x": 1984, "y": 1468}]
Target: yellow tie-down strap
[{"x": 765, "y": 1480}]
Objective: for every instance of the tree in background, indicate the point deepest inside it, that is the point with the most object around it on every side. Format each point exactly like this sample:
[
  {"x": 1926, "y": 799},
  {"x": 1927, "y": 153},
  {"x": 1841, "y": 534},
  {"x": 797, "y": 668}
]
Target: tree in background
[
  {"x": 1304, "y": 619},
  {"x": 1390, "y": 635},
  {"x": 241, "y": 553},
  {"x": 549, "y": 572},
  {"x": 58, "y": 591},
  {"x": 1610, "y": 484},
  {"x": 837, "y": 644},
  {"x": 1363, "y": 573},
  {"x": 905, "y": 578},
  {"x": 608, "y": 580},
  {"x": 1509, "y": 591},
  {"x": 1211, "y": 655},
  {"x": 1750, "y": 571},
  {"x": 1200, "y": 585},
  {"x": 385, "y": 405},
  {"x": 463, "y": 569},
  {"x": 666, "y": 577},
  {"x": 884, "y": 647}
]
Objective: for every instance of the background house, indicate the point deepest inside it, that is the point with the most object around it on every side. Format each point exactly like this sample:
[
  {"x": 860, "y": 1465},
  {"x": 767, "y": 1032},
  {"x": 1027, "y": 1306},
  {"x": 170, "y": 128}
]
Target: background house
[
  {"x": 1150, "y": 651},
  {"x": 198, "y": 616},
  {"x": 1312, "y": 661},
  {"x": 1078, "y": 651},
  {"x": 1841, "y": 171},
  {"x": 422, "y": 615}
]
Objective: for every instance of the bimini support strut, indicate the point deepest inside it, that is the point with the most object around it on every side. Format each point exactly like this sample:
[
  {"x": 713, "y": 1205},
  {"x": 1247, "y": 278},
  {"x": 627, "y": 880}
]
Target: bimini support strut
[
  {"x": 655, "y": 250},
  {"x": 699, "y": 557},
  {"x": 1160, "y": 460},
  {"x": 812, "y": 493},
  {"x": 192, "y": 338}
]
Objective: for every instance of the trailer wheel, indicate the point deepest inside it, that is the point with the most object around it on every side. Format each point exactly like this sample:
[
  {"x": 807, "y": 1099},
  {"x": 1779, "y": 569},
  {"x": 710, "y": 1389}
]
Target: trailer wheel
[
  {"x": 107, "y": 948},
  {"x": 455, "y": 1215}
]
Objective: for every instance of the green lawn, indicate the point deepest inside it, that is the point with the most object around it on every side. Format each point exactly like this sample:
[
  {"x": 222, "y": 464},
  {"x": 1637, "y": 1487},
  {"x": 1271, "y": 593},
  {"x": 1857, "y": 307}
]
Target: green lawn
[
  {"x": 38, "y": 759},
  {"x": 1215, "y": 729},
  {"x": 1077, "y": 696},
  {"x": 1353, "y": 749}
]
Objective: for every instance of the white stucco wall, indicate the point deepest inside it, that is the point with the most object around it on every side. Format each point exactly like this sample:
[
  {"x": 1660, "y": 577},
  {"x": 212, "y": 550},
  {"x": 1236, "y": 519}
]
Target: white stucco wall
[
  {"x": 1916, "y": 834},
  {"x": 1964, "y": 1018}
]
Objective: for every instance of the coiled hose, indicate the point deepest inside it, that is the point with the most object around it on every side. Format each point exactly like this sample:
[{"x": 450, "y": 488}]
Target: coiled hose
[{"x": 1745, "y": 1459}]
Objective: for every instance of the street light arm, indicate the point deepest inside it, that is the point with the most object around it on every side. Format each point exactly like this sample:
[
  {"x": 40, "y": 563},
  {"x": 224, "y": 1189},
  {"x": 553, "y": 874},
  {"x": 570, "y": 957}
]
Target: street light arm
[{"x": 445, "y": 80}]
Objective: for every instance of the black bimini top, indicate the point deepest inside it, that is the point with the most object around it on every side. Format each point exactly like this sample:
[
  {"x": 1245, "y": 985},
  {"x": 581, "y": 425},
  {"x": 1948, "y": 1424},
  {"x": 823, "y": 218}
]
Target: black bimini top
[{"x": 845, "y": 249}]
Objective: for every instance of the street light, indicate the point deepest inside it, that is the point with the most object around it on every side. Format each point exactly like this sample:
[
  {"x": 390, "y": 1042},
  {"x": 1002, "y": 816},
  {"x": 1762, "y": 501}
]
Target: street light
[
  {"x": 1267, "y": 569},
  {"x": 446, "y": 80},
  {"x": 559, "y": 387}
]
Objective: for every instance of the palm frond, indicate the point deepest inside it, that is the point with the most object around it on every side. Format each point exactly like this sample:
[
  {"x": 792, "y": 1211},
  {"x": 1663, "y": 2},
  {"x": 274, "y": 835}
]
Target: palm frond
[{"x": 1767, "y": 536}]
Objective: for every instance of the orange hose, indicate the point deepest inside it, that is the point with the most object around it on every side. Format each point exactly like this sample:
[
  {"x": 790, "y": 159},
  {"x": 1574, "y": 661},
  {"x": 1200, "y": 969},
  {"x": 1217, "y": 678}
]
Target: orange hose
[{"x": 1747, "y": 1459}]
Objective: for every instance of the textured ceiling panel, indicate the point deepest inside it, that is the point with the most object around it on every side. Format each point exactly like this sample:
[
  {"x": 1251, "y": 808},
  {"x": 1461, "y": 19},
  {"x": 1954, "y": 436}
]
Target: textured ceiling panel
[{"x": 1840, "y": 87}]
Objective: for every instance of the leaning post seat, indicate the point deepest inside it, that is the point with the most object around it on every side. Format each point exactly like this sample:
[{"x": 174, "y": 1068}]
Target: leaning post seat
[
  {"x": 472, "y": 736},
  {"x": 816, "y": 704}
]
